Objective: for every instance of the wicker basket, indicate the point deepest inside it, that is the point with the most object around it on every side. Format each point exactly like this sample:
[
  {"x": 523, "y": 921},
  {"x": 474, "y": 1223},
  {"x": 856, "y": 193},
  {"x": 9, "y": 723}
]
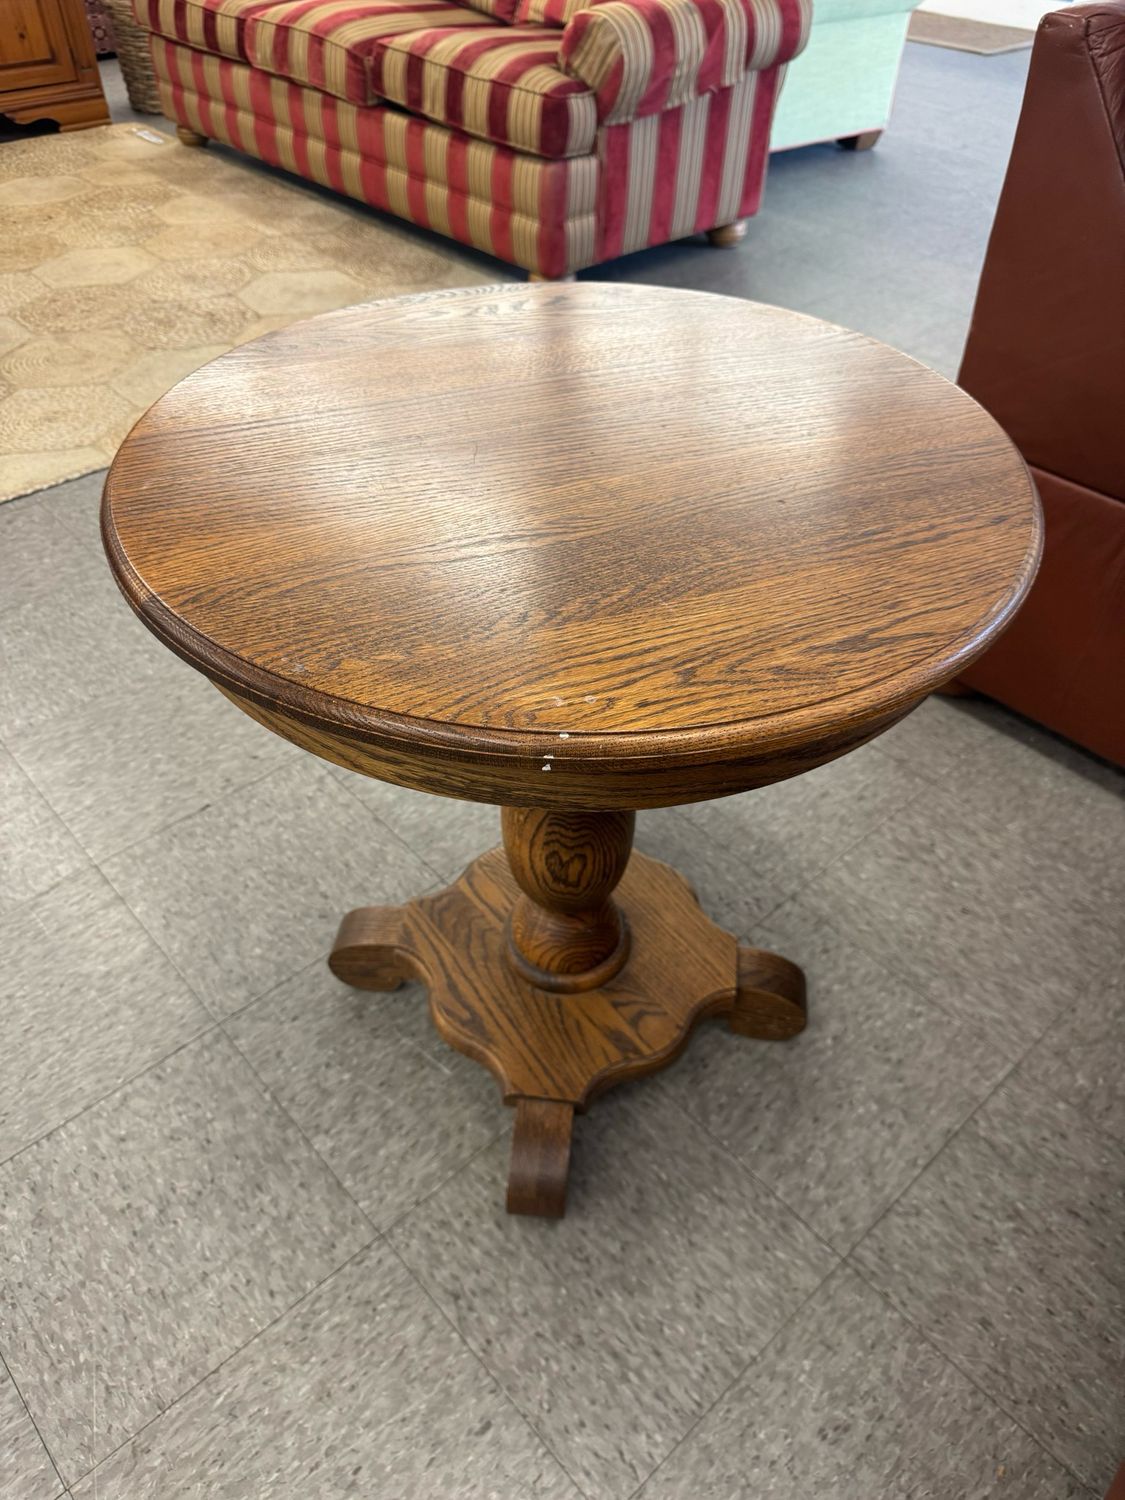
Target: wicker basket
[{"x": 135, "y": 59}]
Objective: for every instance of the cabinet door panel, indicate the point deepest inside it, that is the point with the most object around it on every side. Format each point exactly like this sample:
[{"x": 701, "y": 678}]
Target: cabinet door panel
[{"x": 34, "y": 49}]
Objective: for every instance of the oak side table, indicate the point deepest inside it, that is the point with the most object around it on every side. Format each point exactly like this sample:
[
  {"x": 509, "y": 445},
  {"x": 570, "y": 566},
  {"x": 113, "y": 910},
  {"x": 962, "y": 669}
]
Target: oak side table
[{"x": 576, "y": 550}]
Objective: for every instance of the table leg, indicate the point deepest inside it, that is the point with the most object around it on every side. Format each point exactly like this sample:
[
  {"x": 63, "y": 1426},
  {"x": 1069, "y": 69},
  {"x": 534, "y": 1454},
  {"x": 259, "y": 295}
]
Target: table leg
[
  {"x": 565, "y": 966},
  {"x": 540, "y": 1158}
]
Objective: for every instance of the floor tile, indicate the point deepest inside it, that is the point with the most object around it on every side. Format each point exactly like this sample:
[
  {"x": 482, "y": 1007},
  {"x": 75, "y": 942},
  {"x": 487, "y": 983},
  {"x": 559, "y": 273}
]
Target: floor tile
[
  {"x": 390, "y": 1107},
  {"x": 1067, "y": 803},
  {"x": 843, "y": 1117},
  {"x": 65, "y": 631},
  {"x": 26, "y": 1471},
  {"x": 444, "y": 831},
  {"x": 61, "y": 648},
  {"x": 849, "y": 1400},
  {"x": 41, "y": 559},
  {"x": 746, "y": 854},
  {"x": 36, "y": 851},
  {"x": 1067, "y": 807},
  {"x": 146, "y": 1240},
  {"x": 1082, "y": 1057},
  {"x": 88, "y": 1001},
  {"x": 940, "y": 735},
  {"x": 1007, "y": 1254},
  {"x": 141, "y": 757},
  {"x": 77, "y": 504},
  {"x": 969, "y": 917},
  {"x": 362, "y": 1390},
  {"x": 614, "y": 1329},
  {"x": 251, "y": 890}
]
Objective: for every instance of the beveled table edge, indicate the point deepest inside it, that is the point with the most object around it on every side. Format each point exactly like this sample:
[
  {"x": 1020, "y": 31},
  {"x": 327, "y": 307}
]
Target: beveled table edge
[{"x": 881, "y": 700}]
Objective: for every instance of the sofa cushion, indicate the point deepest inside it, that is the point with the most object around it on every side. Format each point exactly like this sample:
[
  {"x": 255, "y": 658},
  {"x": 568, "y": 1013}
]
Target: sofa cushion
[
  {"x": 329, "y": 44},
  {"x": 210, "y": 25},
  {"x": 500, "y": 10},
  {"x": 501, "y": 85}
]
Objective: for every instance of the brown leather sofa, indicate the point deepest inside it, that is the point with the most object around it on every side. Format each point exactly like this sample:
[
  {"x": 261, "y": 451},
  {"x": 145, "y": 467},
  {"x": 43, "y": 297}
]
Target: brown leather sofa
[{"x": 1046, "y": 356}]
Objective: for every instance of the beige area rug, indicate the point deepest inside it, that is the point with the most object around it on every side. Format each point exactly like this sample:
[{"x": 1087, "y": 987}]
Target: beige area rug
[
  {"x": 127, "y": 260},
  {"x": 981, "y": 37}
]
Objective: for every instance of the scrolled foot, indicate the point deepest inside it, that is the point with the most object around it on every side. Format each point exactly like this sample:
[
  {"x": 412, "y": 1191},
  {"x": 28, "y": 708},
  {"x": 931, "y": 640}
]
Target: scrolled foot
[
  {"x": 190, "y": 137},
  {"x": 726, "y": 235},
  {"x": 770, "y": 1001},
  {"x": 540, "y": 1158},
  {"x": 372, "y": 952}
]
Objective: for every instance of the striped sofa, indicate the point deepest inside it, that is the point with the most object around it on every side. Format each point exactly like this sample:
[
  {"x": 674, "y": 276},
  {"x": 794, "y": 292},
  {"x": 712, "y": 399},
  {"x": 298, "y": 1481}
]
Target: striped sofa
[{"x": 554, "y": 134}]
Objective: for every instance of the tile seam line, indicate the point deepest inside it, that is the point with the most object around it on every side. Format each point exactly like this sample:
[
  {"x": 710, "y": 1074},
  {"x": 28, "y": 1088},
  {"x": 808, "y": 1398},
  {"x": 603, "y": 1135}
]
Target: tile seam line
[
  {"x": 22, "y": 770},
  {"x": 764, "y": 916},
  {"x": 7, "y": 1369},
  {"x": 344, "y": 783},
  {"x": 116, "y": 853},
  {"x": 965, "y": 761},
  {"x": 213, "y": 1023},
  {"x": 284, "y": 1313},
  {"x": 25, "y": 902},
  {"x": 1023, "y": 1047},
  {"x": 759, "y": 1182},
  {"x": 846, "y": 1259},
  {"x": 950, "y": 1138},
  {"x": 154, "y": 938},
  {"x": 991, "y": 1397},
  {"x": 754, "y": 1359},
  {"x": 488, "y": 1145},
  {"x": 838, "y": 1261},
  {"x": 857, "y": 1267},
  {"x": 1013, "y": 1064},
  {"x": 499, "y": 1384},
  {"x": 271, "y": 1098},
  {"x": 204, "y": 1031},
  {"x": 376, "y": 1234}
]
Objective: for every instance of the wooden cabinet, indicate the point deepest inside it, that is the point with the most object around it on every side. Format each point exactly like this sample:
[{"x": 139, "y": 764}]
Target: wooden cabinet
[{"x": 47, "y": 66}]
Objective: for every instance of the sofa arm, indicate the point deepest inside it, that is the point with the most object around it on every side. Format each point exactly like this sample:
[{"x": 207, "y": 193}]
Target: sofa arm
[{"x": 643, "y": 56}]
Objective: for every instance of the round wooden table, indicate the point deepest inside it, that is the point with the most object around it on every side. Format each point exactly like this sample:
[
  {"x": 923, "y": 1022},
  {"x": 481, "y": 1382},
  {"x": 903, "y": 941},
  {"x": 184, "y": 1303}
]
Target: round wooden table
[{"x": 577, "y": 550}]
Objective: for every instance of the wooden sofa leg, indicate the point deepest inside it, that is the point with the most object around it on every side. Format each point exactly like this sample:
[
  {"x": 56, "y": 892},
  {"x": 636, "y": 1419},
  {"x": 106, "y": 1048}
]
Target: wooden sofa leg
[
  {"x": 190, "y": 137},
  {"x": 725, "y": 235},
  {"x": 862, "y": 142},
  {"x": 535, "y": 276}
]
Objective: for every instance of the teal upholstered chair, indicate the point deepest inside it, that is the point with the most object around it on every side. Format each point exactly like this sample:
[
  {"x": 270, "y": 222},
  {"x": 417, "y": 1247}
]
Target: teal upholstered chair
[{"x": 841, "y": 87}]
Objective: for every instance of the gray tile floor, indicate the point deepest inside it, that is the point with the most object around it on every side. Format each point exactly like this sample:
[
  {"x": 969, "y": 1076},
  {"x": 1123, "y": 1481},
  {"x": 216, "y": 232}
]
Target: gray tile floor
[{"x": 251, "y": 1241}]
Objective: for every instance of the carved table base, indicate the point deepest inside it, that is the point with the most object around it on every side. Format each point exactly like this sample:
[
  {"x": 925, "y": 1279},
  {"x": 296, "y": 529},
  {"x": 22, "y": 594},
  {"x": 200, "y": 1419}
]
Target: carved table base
[{"x": 553, "y": 1049}]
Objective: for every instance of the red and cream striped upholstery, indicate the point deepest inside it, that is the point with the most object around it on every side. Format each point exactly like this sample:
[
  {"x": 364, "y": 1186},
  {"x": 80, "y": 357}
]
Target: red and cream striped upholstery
[
  {"x": 330, "y": 45},
  {"x": 455, "y": 66},
  {"x": 654, "y": 124},
  {"x": 502, "y": 85},
  {"x": 526, "y": 210},
  {"x": 678, "y": 173},
  {"x": 499, "y": 10},
  {"x": 644, "y": 56},
  {"x": 656, "y": 179},
  {"x": 211, "y": 25}
]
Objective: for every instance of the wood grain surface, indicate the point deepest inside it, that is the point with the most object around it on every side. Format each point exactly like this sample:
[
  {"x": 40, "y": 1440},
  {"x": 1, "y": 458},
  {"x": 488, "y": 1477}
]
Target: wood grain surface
[
  {"x": 565, "y": 930},
  {"x": 633, "y": 545},
  {"x": 570, "y": 1047},
  {"x": 540, "y": 1162}
]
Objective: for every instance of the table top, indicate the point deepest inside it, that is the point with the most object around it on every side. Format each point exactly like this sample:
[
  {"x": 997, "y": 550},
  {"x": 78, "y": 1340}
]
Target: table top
[{"x": 596, "y": 520}]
